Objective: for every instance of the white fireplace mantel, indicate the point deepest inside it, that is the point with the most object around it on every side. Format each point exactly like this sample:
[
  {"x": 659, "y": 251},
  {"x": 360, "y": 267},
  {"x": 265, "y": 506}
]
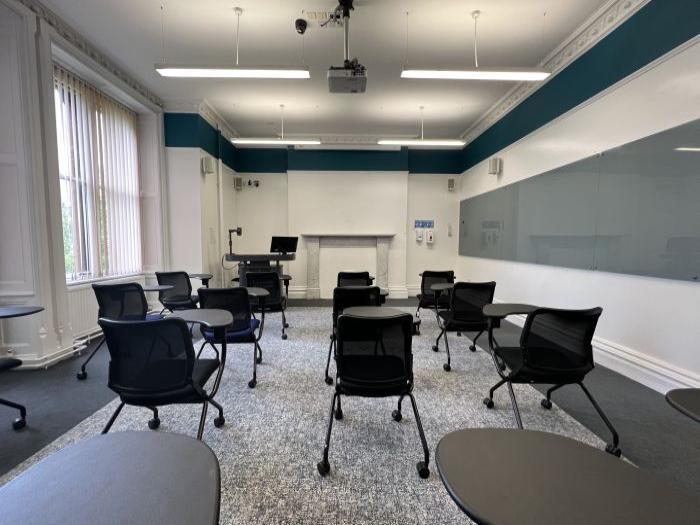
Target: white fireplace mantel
[
  {"x": 313, "y": 247},
  {"x": 358, "y": 235}
]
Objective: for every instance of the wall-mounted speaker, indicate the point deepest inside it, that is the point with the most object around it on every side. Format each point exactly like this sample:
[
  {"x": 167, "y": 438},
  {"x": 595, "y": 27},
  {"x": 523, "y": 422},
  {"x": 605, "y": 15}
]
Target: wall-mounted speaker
[
  {"x": 495, "y": 166},
  {"x": 238, "y": 183},
  {"x": 208, "y": 165},
  {"x": 450, "y": 184}
]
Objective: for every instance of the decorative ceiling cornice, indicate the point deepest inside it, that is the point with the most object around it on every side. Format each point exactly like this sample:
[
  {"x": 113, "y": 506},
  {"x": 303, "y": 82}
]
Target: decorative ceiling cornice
[
  {"x": 76, "y": 39},
  {"x": 604, "y": 21}
]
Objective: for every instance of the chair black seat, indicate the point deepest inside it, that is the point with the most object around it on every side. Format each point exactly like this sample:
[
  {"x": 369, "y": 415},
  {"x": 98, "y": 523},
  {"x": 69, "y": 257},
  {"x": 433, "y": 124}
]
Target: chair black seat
[
  {"x": 428, "y": 300},
  {"x": 202, "y": 371},
  {"x": 181, "y": 302},
  {"x": 553, "y": 366},
  {"x": 457, "y": 325},
  {"x": 8, "y": 363}
]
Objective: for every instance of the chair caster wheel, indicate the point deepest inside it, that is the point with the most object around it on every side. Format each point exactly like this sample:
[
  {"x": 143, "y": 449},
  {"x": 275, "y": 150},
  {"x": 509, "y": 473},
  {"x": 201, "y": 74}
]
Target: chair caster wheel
[
  {"x": 338, "y": 414},
  {"x": 446, "y": 367},
  {"x": 396, "y": 415},
  {"x": 323, "y": 468},
  {"x": 252, "y": 383},
  {"x": 328, "y": 380},
  {"x": 258, "y": 360},
  {"x": 546, "y": 403},
  {"x": 19, "y": 423},
  {"x": 81, "y": 375},
  {"x": 435, "y": 348},
  {"x": 423, "y": 470},
  {"x": 472, "y": 348},
  {"x": 286, "y": 325},
  {"x": 154, "y": 423},
  {"x": 488, "y": 402},
  {"x": 612, "y": 449},
  {"x": 219, "y": 421},
  {"x": 284, "y": 336}
]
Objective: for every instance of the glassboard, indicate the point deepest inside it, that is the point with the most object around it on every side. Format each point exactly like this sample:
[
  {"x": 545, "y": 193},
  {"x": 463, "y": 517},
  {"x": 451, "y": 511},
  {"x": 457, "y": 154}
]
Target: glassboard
[{"x": 634, "y": 209}]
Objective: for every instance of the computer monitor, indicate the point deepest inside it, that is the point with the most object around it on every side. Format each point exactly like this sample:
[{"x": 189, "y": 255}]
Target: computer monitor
[{"x": 284, "y": 244}]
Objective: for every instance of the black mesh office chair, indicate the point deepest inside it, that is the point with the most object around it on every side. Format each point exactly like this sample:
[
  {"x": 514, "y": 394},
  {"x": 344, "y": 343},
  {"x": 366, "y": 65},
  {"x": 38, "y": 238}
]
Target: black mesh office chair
[
  {"x": 555, "y": 348},
  {"x": 465, "y": 314},
  {"x": 276, "y": 301},
  {"x": 8, "y": 363},
  {"x": 426, "y": 297},
  {"x": 235, "y": 301},
  {"x": 123, "y": 301},
  {"x": 354, "y": 279},
  {"x": 345, "y": 298},
  {"x": 374, "y": 359},
  {"x": 153, "y": 364},
  {"x": 179, "y": 297}
]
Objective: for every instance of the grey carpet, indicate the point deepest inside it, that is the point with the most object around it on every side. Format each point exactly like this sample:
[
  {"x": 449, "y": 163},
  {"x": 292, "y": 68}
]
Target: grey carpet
[{"x": 274, "y": 434}]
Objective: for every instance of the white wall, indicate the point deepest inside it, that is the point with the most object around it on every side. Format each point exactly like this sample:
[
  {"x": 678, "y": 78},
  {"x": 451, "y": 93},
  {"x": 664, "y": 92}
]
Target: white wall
[
  {"x": 349, "y": 202},
  {"x": 185, "y": 209},
  {"x": 649, "y": 329},
  {"x": 428, "y": 198}
]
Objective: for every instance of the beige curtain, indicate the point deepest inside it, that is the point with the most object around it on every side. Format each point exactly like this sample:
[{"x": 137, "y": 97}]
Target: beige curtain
[{"x": 98, "y": 165}]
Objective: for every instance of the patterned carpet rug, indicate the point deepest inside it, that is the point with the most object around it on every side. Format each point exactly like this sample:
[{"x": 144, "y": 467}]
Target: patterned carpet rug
[{"x": 274, "y": 433}]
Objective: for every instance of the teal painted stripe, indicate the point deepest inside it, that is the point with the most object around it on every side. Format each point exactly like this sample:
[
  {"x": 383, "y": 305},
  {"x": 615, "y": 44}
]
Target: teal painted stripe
[
  {"x": 434, "y": 161},
  {"x": 261, "y": 160},
  {"x": 347, "y": 160},
  {"x": 181, "y": 130},
  {"x": 657, "y": 28}
]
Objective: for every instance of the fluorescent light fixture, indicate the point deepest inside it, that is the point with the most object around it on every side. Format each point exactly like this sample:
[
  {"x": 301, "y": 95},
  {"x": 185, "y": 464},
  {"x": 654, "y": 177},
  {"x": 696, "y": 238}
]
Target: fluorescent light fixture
[
  {"x": 518, "y": 75},
  {"x": 688, "y": 148},
  {"x": 276, "y": 142},
  {"x": 422, "y": 143},
  {"x": 233, "y": 71}
]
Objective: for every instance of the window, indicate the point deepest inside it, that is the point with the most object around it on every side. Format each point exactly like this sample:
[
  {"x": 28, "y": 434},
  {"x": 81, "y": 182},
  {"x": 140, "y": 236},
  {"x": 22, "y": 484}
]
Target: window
[{"x": 99, "y": 179}]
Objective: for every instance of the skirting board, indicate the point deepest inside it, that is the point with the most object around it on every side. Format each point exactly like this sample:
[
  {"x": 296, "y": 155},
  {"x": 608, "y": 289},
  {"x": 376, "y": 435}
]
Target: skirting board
[{"x": 649, "y": 371}]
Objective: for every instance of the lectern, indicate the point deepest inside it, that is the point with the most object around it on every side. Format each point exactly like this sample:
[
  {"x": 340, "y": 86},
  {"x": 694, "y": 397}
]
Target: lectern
[{"x": 262, "y": 262}]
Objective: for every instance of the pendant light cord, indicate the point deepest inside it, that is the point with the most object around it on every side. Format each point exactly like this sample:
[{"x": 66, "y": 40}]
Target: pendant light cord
[
  {"x": 405, "y": 52},
  {"x": 475, "y": 16},
  {"x": 238, "y": 12},
  {"x": 162, "y": 33},
  {"x": 282, "y": 119},
  {"x": 421, "y": 122}
]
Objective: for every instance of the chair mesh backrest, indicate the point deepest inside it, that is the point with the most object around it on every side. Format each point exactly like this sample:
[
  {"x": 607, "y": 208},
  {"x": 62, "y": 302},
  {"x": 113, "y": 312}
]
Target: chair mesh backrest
[
  {"x": 467, "y": 300},
  {"x": 124, "y": 301},
  {"x": 233, "y": 300},
  {"x": 180, "y": 282},
  {"x": 430, "y": 278},
  {"x": 344, "y": 297},
  {"x": 354, "y": 279},
  {"x": 559, "y": 340},
  {"x": 270, "y": 281},
  {"x": 148, "y": 357},
  {"x": 375, "y": 352}
]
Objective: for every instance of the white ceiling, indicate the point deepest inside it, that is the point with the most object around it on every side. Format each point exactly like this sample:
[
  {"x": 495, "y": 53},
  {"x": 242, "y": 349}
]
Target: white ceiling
[{"x": 440, "y": 35}]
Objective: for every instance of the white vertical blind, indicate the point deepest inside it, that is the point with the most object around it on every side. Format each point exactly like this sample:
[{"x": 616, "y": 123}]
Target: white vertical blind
[{"x": 98, "y": 165}]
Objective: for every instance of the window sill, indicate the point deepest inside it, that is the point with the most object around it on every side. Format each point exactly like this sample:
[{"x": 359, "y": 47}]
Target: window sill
[{"x": 86, "y": 283}]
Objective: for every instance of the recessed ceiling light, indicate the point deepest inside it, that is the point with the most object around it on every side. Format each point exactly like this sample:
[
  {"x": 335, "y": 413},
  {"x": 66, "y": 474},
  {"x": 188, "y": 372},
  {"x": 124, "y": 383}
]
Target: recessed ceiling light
[
  {"x": 477, "y": 73},
  {"x": 689, "y": 148}
]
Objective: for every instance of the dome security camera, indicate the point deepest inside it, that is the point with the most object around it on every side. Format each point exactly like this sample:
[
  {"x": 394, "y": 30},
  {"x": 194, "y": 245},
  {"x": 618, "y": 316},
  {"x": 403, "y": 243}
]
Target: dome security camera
[{"x": 300, "y": 25}]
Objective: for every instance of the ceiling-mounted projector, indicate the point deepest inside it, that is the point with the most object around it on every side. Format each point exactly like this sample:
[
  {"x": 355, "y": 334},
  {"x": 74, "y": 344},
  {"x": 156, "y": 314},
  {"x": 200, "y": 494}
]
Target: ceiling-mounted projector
[{"x": 351, "y": 77}]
